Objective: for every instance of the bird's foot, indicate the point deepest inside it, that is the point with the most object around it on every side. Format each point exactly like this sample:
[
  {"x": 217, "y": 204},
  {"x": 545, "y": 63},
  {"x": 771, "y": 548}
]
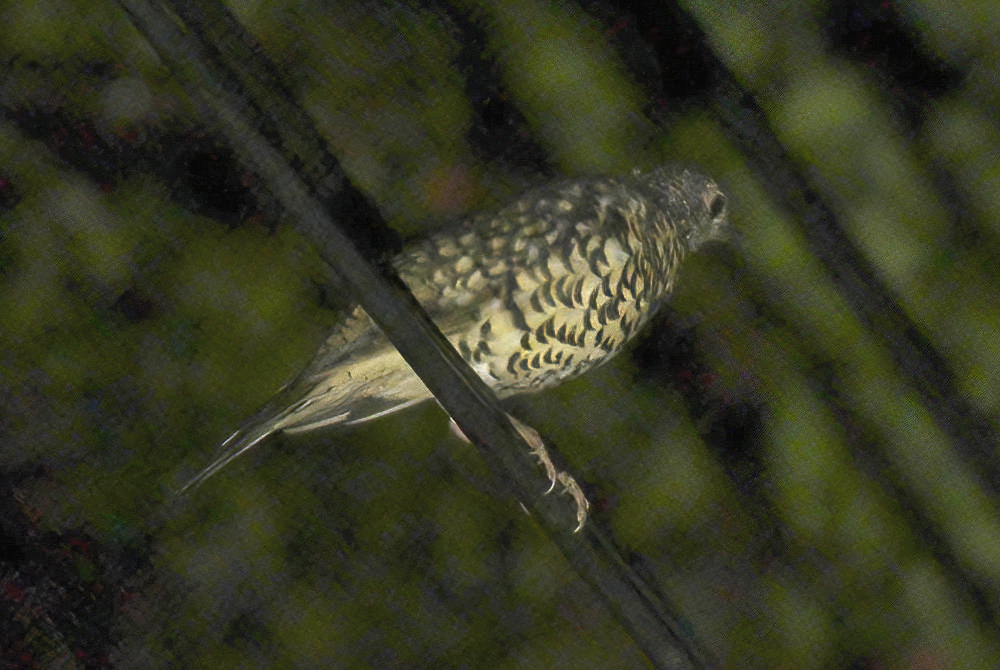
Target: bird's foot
[
  {"x": 582, "y": 504},
  {"x": 562, "y": 477},
  {"x": 538, "y": 450}
]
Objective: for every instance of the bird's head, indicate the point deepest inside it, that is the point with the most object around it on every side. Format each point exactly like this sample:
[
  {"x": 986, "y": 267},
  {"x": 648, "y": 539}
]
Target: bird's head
[{"x": 694, "y": 206}]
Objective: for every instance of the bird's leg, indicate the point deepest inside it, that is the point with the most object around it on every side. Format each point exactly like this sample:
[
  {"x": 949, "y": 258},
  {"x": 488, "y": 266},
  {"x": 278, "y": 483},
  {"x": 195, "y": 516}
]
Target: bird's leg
[{"x": 555, "y": 476}]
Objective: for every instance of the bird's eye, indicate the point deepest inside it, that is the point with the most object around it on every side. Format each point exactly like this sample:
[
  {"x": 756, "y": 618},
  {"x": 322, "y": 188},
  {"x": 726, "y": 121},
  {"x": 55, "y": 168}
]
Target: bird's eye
[{"x": 717, "y": 207}]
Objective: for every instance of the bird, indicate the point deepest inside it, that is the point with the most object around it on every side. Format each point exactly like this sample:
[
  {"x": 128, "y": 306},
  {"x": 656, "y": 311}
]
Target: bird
[{"x": 538, "y": 291}]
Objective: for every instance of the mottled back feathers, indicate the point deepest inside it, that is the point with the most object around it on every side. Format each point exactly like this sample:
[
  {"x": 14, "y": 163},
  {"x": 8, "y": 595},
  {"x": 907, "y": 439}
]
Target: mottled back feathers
[{"x": 541, "y": 290}]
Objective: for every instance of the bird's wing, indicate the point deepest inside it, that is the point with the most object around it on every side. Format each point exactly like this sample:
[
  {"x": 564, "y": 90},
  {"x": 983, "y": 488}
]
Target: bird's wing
[{"x": 533, "y": 294}]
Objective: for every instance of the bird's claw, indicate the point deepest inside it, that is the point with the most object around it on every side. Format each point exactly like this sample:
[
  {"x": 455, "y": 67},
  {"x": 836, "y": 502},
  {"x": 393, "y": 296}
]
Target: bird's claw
[
  {"x": 555, "y": 476},
  {"x": 582, "y": 504},
  {"x": 538, "y": 450}
]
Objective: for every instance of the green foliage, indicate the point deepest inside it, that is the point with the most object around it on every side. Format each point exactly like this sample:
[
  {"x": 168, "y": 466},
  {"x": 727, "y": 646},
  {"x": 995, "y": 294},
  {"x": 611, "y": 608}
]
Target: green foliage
[{"x": 384, "y": 545}]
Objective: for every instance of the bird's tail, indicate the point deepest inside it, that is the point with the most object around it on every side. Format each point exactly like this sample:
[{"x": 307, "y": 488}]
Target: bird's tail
[
  {"x": 290, "y": 407},
  {"x": 367, "y": 388},
  {"x": 235, "y": 446}
]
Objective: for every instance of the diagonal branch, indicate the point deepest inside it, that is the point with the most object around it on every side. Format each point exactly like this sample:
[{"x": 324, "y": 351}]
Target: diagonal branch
[{"x": 238, "y": 87}]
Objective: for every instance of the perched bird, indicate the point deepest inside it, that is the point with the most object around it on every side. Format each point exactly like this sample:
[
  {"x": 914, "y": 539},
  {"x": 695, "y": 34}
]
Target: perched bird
[{"x": 541, "y": 290}]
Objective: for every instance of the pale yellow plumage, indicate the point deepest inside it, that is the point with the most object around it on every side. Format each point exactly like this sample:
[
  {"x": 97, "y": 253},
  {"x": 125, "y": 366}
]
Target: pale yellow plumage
[{"x": 538, "y": 291}]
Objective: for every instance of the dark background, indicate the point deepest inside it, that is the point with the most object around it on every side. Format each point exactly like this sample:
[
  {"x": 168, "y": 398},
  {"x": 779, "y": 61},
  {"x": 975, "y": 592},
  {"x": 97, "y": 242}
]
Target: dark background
[{"x": 804, "y": 461}]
